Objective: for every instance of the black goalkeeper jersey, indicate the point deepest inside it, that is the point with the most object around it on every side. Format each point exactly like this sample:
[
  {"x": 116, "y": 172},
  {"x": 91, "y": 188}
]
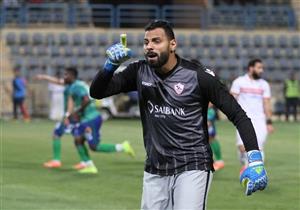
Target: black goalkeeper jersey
[{"x": 174, "y": 113}]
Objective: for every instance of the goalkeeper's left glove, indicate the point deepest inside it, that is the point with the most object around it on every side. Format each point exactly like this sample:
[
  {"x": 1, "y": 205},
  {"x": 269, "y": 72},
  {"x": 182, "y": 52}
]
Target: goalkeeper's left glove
[
  {"x": 116, "y": 54},
  {"x": 254, "y": 177}
]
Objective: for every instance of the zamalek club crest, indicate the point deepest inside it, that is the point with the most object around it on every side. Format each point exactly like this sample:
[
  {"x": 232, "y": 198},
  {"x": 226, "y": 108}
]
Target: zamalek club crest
[{"x": 178, "y": 88}]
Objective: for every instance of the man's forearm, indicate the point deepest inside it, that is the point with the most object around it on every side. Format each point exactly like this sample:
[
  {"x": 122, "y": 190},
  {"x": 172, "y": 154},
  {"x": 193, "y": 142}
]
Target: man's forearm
[{"x": 99, "y": 84}]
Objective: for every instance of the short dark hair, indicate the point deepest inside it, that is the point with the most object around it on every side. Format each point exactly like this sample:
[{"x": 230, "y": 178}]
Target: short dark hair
[
  {"x": 167, "y": 26},
  {"x": 72, "y": 70},
  {"x": 253, "y": 62}
]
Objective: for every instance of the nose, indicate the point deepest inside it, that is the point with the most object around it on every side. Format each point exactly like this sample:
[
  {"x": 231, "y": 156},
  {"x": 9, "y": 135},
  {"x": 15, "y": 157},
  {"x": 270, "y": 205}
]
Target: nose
[{"x": 148, "y": 46}]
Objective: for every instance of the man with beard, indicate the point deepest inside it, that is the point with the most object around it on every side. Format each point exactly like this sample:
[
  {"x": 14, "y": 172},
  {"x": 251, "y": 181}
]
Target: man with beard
[
  {"x": 173, "y": 98},
  {"x": 254, "y": 95}
]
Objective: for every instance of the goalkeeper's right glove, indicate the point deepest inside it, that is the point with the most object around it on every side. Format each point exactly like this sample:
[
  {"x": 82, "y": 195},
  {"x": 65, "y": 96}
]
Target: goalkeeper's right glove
[
  {"x": 116, "y": 54},
  {"x": 254, "y": 177}
]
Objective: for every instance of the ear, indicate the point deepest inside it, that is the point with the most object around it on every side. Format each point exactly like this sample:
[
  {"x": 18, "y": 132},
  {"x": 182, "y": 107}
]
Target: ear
[{"x": 173, "y": 45}]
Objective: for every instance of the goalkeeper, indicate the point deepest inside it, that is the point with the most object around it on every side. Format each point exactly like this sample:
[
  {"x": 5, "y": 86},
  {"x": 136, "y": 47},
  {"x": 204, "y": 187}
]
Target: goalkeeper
[
  {"x": 173, "y": 98},
  {"x": 84, "y": 120}
]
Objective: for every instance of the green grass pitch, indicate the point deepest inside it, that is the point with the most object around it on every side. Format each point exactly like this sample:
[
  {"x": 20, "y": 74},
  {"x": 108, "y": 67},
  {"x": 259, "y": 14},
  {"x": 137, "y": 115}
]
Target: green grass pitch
[{"x": 25, "y": 184}]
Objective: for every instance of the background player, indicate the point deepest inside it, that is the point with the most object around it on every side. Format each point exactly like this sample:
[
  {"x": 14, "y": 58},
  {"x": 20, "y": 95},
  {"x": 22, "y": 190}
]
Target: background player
[
  {"x": 253, "y": 94},
  {"x": 85, "y": 121},
  {"x": 213, "y": 141},
  {"x": 19, "y": 85}
]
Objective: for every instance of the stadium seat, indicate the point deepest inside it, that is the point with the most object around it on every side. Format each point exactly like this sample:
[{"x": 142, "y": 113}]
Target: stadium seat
[
  {"x": 295, "y": 41},
  {"x": 186, "y": 52},
  {"x": 200, "y": 54},
  {"x": 19, "y": 61},
  {"x": 296, "y": 65},
  {"x": 33, "y": 62},
  {"x": 257, "y": 41},
  {"x": 81, "y": 51},
  {"x": 54, "y": 51},
  {"x": 269, "y": 64},
  {"x": 68, "y": 51},
  {"x": 24, "y": 39},
  {"x": 37, "y": 39},
  {"x": 277, "y": 75},
  {"x": 276, "y": 53},
  {"x": 270, "y": 41},
  {"x": 245, "y": 41},
  {"x": 284, "y": 64},
  {"x": 206, "y": 41},
  {"x": 60, "y": 62},
  {"x": 236, "y": 52},
  {"x": 181, "y": 40},
  {"x": 263, "y": 53},
  {"x": 194, "y": 40},
  {"x": 15, "y": 50},
  {"x": 213, "y": 52},
  {"x": 283, "y": 41},
  {"x": 140, "y": 39},
  {"x": 103, "y": 40},
  {"x": 244, "y": 63},
  {"x": 73, "y": 61},
  {"x": 76, "y": 39},
  {"x": 233, "y": 64},
  {"x": 288, "y": 53},
  {"x": 90, "y": 40},
  {"x": 225, "y": 52},
  {"x": 41, "y": 50},
  {"x": 218, "y": 64},
  {"x": 63, "y": 39},
  {"x": 87, "y": 62},
  {"x": 298, "y": 53},
  {"x": 28, "y": 50},
  {"x": 50, "y": 39},
  {"x": 219, "y": 41},
  {"x": 95, "y": 51},
  {"x": 232, "y": 41},
  {"x": 11, "y": 38}
]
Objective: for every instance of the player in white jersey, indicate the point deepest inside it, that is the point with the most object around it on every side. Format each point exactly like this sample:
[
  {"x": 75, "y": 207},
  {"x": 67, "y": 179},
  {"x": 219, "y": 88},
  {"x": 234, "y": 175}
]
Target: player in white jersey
[{"x": 253, "y": 94}]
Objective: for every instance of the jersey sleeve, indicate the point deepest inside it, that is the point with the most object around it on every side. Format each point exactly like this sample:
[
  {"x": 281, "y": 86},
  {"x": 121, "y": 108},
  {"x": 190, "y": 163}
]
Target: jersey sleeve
[
  {"x": 235, "y": 87},
  {"x": 107, "y": 84},
  {"x": 267, "y": 91},
  {"x": 216, "y": 92}
]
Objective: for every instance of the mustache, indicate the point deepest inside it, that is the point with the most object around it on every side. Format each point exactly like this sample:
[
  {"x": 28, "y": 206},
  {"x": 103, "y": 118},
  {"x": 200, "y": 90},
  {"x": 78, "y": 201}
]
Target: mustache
[{"x": 151, "y": 53}]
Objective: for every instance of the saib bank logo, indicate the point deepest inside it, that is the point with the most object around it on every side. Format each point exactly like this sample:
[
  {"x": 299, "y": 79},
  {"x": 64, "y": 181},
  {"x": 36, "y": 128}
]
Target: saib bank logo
[{"x": 164, "y": 110}]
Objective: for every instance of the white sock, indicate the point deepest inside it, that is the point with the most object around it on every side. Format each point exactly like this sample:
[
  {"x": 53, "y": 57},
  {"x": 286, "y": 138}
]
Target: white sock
[
  {"x": 119, "y": 147},
  {"x": 89, "y": 163}
]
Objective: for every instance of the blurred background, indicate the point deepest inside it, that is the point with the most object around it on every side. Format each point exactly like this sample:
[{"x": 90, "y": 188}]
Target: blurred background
[{"x": 43, "y": 36}]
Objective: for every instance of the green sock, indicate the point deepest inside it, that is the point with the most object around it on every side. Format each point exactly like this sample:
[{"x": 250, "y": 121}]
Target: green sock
[
  {"x": 56, "y": 146},
  {"x": 106, "y": 148},
  {"x": 83, "y": 153},
  {"x": 216, "y": 148}
]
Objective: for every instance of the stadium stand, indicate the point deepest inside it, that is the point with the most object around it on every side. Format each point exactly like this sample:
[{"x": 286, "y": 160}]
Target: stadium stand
[
  {"x": 68, "y": 48},
  {"x": 135, "y": 15},
  {"x": 78, "y": 34}
]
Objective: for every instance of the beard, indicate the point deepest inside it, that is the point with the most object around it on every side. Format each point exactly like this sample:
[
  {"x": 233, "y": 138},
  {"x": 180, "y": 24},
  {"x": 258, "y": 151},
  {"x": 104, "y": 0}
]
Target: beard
[
  {"x": 256, "y": 76},
  {"x": 161, "y": 59}
]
